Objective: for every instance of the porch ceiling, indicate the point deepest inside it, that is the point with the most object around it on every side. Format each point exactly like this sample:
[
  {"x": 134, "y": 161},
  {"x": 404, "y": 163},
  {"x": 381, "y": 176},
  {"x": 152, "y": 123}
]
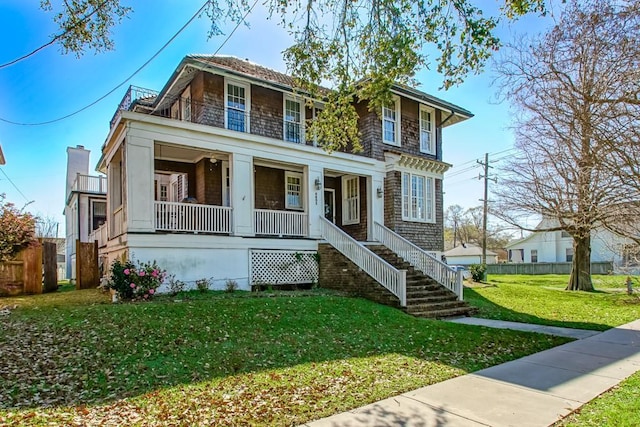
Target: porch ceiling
[{"x": 184, "y": 154}]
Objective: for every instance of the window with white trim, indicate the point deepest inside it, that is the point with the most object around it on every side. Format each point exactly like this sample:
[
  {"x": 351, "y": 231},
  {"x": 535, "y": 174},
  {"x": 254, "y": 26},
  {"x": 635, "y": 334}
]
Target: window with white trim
[
  {"x": 534, "y": 255},
  {"x": 350, "y": 200},
  {"x": 316, "y": 110},
  {"x": 427, "y": 130},
  {"x": 418, "y": 198},
  {"x": 98, "y": 214},
  {"x": 237, "y": 106},
  {"x": 293, "y": 190},
  {"x": 179, "y": 187},
  {"x": 292, "y": 120},
  {"x": 391, "y": 122}
]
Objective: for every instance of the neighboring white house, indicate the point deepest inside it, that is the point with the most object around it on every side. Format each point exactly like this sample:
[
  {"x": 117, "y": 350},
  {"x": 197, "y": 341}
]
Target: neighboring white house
[
  {"x": 557, "y": 246},
  {"x": 467, "y": 254},
  {"x": 214, "y": 176},
  {"x": 85, "y": 204}
]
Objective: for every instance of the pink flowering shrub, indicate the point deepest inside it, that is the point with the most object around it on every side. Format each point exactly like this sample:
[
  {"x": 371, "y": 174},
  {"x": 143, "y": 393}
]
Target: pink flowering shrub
[{"x": 135, "y": 281}]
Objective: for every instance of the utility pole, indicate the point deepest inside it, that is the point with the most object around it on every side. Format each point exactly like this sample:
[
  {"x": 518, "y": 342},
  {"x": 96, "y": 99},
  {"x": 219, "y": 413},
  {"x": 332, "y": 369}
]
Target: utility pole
[{"x": 485, "y": 201}]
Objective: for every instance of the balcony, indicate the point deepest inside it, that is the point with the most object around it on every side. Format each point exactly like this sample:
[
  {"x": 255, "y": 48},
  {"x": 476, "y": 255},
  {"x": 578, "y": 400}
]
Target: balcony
[
  {"x": 214, "y": 114},
  {"x": 90, "y": 184}
]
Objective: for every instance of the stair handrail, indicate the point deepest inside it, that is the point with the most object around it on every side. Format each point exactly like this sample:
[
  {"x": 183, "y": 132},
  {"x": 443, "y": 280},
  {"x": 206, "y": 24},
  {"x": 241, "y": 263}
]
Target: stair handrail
[
  {"x": 420, "y": 259},
  {"x": 394, "y": 280}
]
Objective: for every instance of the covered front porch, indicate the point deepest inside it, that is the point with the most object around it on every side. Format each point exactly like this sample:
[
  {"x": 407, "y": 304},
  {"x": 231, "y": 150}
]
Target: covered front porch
[{"x": 213, "y": 192}]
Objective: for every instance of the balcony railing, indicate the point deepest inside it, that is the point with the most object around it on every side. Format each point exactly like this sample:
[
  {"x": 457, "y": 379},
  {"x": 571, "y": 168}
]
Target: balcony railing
[
  {"x": 190, "y": 217},
  {"x": 280, "y": 223},
  {"x": 90, "y": 184},
  {"x": 134, "y": 95},
  {"x": 213, "y": 113}
]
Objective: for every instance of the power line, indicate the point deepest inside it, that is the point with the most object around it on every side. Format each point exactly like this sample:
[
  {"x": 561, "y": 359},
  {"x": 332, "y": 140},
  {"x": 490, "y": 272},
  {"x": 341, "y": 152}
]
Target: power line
[
  {"x": 123, "y": 82},
  {"x": 56, "y": 37},
  {"x": 15, "y": 186}
]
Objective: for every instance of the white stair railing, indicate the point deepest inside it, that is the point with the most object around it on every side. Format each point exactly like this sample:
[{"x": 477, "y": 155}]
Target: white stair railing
[
  {"x": 420, "y": 259},
  {"x": 384, "y": 273}
]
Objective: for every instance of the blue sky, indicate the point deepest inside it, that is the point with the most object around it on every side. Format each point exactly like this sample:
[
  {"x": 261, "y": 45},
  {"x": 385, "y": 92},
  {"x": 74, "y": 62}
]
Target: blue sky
[{"x": 50, "y": 85}]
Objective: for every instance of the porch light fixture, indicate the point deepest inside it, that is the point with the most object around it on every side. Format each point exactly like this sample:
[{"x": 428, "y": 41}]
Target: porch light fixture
[
  {"x": 379, "y": 193},
  {"x": 318, "y": 184}
]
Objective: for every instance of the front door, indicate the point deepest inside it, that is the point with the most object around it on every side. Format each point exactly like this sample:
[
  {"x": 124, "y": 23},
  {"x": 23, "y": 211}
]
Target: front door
[{"x": 330, "y": 204}]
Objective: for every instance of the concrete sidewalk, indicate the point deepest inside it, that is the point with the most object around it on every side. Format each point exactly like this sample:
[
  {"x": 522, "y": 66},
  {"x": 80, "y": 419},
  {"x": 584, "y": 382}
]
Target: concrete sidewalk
[
  {"x": 536, "y": 390},
  {"x": 527, "y": 327}
]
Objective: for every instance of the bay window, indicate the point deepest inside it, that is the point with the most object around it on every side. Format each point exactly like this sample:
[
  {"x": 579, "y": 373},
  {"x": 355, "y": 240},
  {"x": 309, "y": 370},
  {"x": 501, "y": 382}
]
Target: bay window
[{"x": 418, "y": 198}]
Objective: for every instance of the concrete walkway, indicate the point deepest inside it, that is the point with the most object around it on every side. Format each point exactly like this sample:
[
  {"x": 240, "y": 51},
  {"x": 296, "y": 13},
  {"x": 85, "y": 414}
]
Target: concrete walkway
[
  {"x": 536, "y": 390},
  {"x": 527, "y": 327}
]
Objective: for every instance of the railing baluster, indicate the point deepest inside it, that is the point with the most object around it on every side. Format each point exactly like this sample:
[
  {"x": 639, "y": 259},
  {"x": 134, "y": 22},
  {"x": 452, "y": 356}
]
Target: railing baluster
[{"x": 420, "y": 259}]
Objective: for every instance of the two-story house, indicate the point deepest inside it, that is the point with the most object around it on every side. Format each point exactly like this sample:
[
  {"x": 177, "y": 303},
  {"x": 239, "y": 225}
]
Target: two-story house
[
  {"x": 85, "y": 204},
  {"x": 213, "y": 176}
]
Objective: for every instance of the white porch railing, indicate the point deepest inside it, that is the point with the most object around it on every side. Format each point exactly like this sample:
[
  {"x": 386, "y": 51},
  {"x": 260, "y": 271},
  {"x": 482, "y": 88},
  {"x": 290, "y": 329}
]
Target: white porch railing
[
  {"x": 420, "y": 259},
  {"x": 99, "y": 235},
  {"x": 384, "y": 273},
  {"x": 280, "y": 223},
  {"x": 172, "y": 216},
  {"x": 90, "y": 184}
]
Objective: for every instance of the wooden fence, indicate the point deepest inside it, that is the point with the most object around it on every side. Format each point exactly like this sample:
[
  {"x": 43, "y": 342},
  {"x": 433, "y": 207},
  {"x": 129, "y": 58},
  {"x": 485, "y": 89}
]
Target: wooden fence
[
  {"x": 533, "y": 268},
  {"x": 87, "y": 271},
  {"x": 22, "y": 274}
]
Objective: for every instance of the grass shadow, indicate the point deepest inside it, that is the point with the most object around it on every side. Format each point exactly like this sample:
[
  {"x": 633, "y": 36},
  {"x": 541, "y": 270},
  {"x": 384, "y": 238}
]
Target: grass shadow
[{"x": 97, "y": 353}]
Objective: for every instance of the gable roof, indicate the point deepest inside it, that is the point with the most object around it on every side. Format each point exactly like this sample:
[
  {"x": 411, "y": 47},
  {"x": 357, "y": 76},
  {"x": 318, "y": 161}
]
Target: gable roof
[{"x": 469, "y": 250}]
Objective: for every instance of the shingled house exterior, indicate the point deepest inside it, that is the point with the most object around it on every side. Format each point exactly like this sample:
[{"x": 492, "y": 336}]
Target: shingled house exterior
[{"x": 213, "y": 177}]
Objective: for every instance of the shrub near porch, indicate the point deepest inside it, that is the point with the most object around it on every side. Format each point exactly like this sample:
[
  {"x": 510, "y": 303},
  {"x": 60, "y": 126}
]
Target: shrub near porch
[{"x": 226, "y": 359}]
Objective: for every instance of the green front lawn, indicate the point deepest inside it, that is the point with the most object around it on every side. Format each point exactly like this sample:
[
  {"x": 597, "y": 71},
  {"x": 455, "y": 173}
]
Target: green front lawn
[
  {"x": 543, "y": 300},
  {"x": 72, "y": 358},
  {"x": 619, "y": 407}
]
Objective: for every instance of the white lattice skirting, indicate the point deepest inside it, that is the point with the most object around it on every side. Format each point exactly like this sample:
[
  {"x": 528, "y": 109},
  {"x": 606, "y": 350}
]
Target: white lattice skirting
[{"x": 283, "y": 267}]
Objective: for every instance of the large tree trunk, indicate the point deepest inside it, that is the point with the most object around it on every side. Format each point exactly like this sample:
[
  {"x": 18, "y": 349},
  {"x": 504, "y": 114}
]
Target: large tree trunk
[{"x": 580, "y": 279}]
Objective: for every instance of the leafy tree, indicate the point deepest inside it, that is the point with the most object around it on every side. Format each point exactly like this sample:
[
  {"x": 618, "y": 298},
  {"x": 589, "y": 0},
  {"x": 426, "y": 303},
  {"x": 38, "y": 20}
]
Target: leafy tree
[
  {"x": 576, "y": 93},
  {"x": 359, "y": 48},
  {"x": 17, "y": 229},
  {"x": 465, "y": 226}
]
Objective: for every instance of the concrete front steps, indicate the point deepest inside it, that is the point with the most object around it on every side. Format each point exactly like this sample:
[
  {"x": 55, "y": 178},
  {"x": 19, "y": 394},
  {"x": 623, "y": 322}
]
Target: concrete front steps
[{"x": 425, "y": 296}]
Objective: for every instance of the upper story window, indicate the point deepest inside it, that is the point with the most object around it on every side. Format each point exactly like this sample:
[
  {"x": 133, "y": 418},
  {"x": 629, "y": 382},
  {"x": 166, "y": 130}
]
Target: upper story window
[
  {"x": 237, "y": 106},
  {"x": 427, "y": 130},
  {"x": 293, "y": 182},
  {"x": 564, "y": 234},
  {"x": 315, "y": 112},
  {"x": 292, "y": 120},
  {"x": 391, "y": 122},
  {"x": 350, "y": 200},
  {"x": 418, "y": 198}
]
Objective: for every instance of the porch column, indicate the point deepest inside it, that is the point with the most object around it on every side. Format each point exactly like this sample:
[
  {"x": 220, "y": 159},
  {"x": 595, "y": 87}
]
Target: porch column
[
  {"x": 139, "y": 183},
  {"x": 242, "y": 188},
  {"x": 375, "y": 205},
  {"x": 315, "y": 207}
]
